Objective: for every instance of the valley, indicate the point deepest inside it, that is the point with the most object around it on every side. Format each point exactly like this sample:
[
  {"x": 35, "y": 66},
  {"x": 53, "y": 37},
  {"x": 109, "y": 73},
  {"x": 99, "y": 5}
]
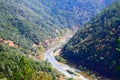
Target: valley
[
  {"x": 59, "y": 39},
  {"x": 49, "y": 56},
  {"x": 95, "y": 47}
]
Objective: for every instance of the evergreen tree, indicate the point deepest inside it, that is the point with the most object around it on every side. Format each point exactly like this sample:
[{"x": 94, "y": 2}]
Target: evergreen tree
[{"x": 24, "y": 70}]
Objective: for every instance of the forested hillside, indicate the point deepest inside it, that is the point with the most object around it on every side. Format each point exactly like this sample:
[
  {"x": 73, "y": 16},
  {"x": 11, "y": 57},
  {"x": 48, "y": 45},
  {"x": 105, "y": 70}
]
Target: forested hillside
[
  {"x": 26, "y": 21},
  {"x": 25, "y": 24},
  {"x": 95, "y": 46},
  {"x": 74, "y": 12},
  {"x": 15, "y": 66}
]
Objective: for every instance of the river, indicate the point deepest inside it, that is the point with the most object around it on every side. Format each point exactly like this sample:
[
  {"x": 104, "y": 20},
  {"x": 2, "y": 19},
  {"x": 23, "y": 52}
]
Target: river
[{"x": 62, "y": 67}]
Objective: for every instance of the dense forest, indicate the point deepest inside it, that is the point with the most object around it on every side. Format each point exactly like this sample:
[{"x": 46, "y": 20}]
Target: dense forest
[
  {"x": 95, "y": 46},
  {"x": 74, "y": 12},
  {"x": 26, "y": 21},
  {"x": 14, "y": 65}
]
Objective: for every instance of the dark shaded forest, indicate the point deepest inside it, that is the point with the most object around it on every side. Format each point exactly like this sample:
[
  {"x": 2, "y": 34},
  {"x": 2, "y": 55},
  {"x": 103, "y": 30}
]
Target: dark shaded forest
[{"x": 95, "y": 46}]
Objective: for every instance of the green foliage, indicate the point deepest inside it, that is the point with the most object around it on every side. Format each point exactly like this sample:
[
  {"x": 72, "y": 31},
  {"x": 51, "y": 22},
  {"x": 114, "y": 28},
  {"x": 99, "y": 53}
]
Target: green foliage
[
  {"x": 70, "y": 79},
  {"x": 13, "y": 66},
  {"x": 8, "y": 60},
  {"x": 43, "y": 76},
  {"x": 60, "y": 59},
  {"x": 34, "y": 21},
  {"x": 25, "y": 25},
  {"x": 24, "y": 71},
  {"x": 94, "y": 45},
  {"x": 73, "y": 12}
]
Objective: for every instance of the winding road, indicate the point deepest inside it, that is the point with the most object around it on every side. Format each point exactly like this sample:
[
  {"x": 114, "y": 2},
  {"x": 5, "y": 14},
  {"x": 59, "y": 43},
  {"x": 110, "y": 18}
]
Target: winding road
[{"x": 62, "y": 67}]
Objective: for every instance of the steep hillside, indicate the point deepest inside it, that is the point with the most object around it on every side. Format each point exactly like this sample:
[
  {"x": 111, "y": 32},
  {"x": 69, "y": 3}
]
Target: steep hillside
[
  {"x": 15, "y": 66},
  {"x": 21, "y": 23},
  {"x": 94, "y": 46},
  {"x": 74, "y": 12},
  {"x": 26, "y": 21}
]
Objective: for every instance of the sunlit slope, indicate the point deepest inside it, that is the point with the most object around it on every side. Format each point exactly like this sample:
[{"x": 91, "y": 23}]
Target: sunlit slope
[{"x": 35, "y": 21}]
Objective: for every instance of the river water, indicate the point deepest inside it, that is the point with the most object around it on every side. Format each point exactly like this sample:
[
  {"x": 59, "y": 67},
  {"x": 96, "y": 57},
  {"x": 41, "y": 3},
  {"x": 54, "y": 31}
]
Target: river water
[{"x": 61, "y": 67}]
